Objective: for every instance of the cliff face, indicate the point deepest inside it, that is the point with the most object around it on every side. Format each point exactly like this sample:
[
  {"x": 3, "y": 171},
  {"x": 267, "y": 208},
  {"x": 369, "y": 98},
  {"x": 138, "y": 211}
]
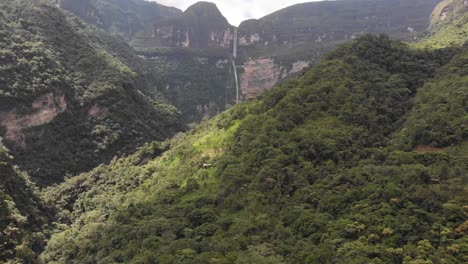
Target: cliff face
[
  {"x": 260, "y": 75},
  {"x": 270, "y": 49},
  {"x": 283, "y": 43},
  {"x": 201, "y": 26},
  {"x": 43, "y": 111},
  {"x": 332, "y": 21}
]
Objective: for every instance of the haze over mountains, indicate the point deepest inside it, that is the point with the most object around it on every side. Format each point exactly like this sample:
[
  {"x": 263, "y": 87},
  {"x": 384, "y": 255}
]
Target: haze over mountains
[{"x": 347, "y": 147}]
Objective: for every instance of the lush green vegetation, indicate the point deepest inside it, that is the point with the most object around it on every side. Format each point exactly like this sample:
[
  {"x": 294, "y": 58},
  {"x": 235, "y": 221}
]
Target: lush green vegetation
[
  {"x": 23, "y": 215},
  {"x": 327, "y": 168},
  {"x": 199, "y": 86},
  {"x": 189, "y": 78},
  {"x": 109, "y": 108},
  {"x": 361, "y": 159},
  {"x": 449, "y": 26},
  {"x": 126, "y": 17}
]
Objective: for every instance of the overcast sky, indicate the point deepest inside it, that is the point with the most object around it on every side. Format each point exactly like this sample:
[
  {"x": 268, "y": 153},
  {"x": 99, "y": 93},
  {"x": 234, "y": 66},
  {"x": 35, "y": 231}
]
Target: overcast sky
[{"x": 237, "y": 11}]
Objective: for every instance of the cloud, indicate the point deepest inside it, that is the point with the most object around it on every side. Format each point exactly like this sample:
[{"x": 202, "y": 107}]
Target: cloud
[{"x": 237, "y": 11}]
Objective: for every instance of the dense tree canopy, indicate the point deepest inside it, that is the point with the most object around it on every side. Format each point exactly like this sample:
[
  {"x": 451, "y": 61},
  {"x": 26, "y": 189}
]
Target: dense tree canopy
[
  {"x": 360, "y": 159},
  {"x": 327, "y": 168},
  {"x": 100, "y": 102}
]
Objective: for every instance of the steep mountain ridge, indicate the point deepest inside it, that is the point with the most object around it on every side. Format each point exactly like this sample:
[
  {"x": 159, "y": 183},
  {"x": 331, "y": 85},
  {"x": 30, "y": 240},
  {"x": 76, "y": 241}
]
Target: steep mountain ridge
[
  {"x": 201, "y": 26},
  {"x": 447, "y": 10},
  {"x": 327, "y": 168},
  {"x": 71, "y": 97},
  {"x": 127, "y": 17},
  {"x": 271, "y": 49},
  {"x": 361, "y": 159},
  {"x": 309, "y": 30},
  {"x": 449, "y": 25}
]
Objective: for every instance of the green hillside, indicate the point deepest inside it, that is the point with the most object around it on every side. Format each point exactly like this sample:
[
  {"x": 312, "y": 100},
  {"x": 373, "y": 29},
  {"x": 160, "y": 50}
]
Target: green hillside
[
  {"x": 449, "y": 25},
  {"x": 126, "y": 17},
  {"x": 23, "y": 215},
  {"x": 363, "y": 158},
  {"x": 315, "y": 28},
  {"x": 72, "y": 97},
  {"x": 348, "y": 163}
]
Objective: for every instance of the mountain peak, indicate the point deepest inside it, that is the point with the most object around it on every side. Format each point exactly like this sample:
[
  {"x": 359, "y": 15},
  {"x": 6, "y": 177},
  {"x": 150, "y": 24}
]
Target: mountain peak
[
  {"x": 448, "y": 9},
  {"x": 204, "y": 9},
  {"x": 203, "y": 5}
]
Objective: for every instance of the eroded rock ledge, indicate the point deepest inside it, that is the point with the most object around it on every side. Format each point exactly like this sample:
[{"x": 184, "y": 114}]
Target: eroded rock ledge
[{"x": 44, "y": 110}]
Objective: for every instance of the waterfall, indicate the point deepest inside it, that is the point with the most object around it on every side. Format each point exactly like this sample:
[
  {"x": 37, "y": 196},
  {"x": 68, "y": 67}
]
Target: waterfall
[{"x": 234, "y": 56}]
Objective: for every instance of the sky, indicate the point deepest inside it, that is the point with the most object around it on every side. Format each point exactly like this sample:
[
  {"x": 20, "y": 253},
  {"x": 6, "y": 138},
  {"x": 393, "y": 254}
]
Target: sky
[{"x": 237, "y": 11}]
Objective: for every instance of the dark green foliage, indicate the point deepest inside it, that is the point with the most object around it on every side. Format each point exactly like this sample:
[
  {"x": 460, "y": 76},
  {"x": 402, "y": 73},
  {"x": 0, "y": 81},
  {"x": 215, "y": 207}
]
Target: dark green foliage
[
  {"x": 302, "y": 33},
  {"x": 199, "y": 86},
  {"x": 23, "y": 216},
  {"x": 440, "y": 116},
  {"x": 361, "y": 159},
  {"x": 126, "y": 17},
  {"x": 317, "y": 171},
  {"x": 28, "y": 68},
  {"x": 100, "y": 88}
]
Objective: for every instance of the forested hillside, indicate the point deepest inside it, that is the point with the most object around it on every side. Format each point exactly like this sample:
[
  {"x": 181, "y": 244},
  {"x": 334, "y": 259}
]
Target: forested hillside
[
  {"x": 126, "y": 17},
  {"x": 363, "y": 159},
  {"x": 24, "y": 217},
  {"x": 449, "y": 25},
  {"x": 71, "y": 96}
]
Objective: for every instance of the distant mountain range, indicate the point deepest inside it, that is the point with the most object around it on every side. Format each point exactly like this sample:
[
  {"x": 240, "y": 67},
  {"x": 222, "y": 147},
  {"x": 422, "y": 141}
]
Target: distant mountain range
[{"x": 199, "y": 42}]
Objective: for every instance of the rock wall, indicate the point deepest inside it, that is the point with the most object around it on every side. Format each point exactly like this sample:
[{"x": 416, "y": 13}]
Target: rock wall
[
  {"x": 44, "y": 110},
  {"x": 260, "y": 75},
  {"x": 187, "y": 37}
]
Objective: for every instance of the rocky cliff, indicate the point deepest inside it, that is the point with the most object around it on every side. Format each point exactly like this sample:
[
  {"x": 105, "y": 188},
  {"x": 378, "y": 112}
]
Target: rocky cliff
[
  {"x": 283, "y": 43},
  {"x": 201, "y": 26},
  {"x": 270, "y": 49}
]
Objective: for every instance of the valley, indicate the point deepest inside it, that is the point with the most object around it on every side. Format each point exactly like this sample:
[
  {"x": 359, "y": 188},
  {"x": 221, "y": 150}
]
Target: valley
[{"x": 326, "y": 132}]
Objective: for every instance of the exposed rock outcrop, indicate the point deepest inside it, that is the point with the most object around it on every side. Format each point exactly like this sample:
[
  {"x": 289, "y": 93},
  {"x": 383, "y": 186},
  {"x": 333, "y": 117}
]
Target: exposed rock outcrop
[
  {"x": 444, "y": 13},
  {"x": 44, "y": 110},
  {"x": 296, "y": 36},
  {"x": 97, "y": 111},
  {"x": 260, "y": 75},
  {"x": 201, "y": 26},
  {"x": 448, "y": 9}
]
